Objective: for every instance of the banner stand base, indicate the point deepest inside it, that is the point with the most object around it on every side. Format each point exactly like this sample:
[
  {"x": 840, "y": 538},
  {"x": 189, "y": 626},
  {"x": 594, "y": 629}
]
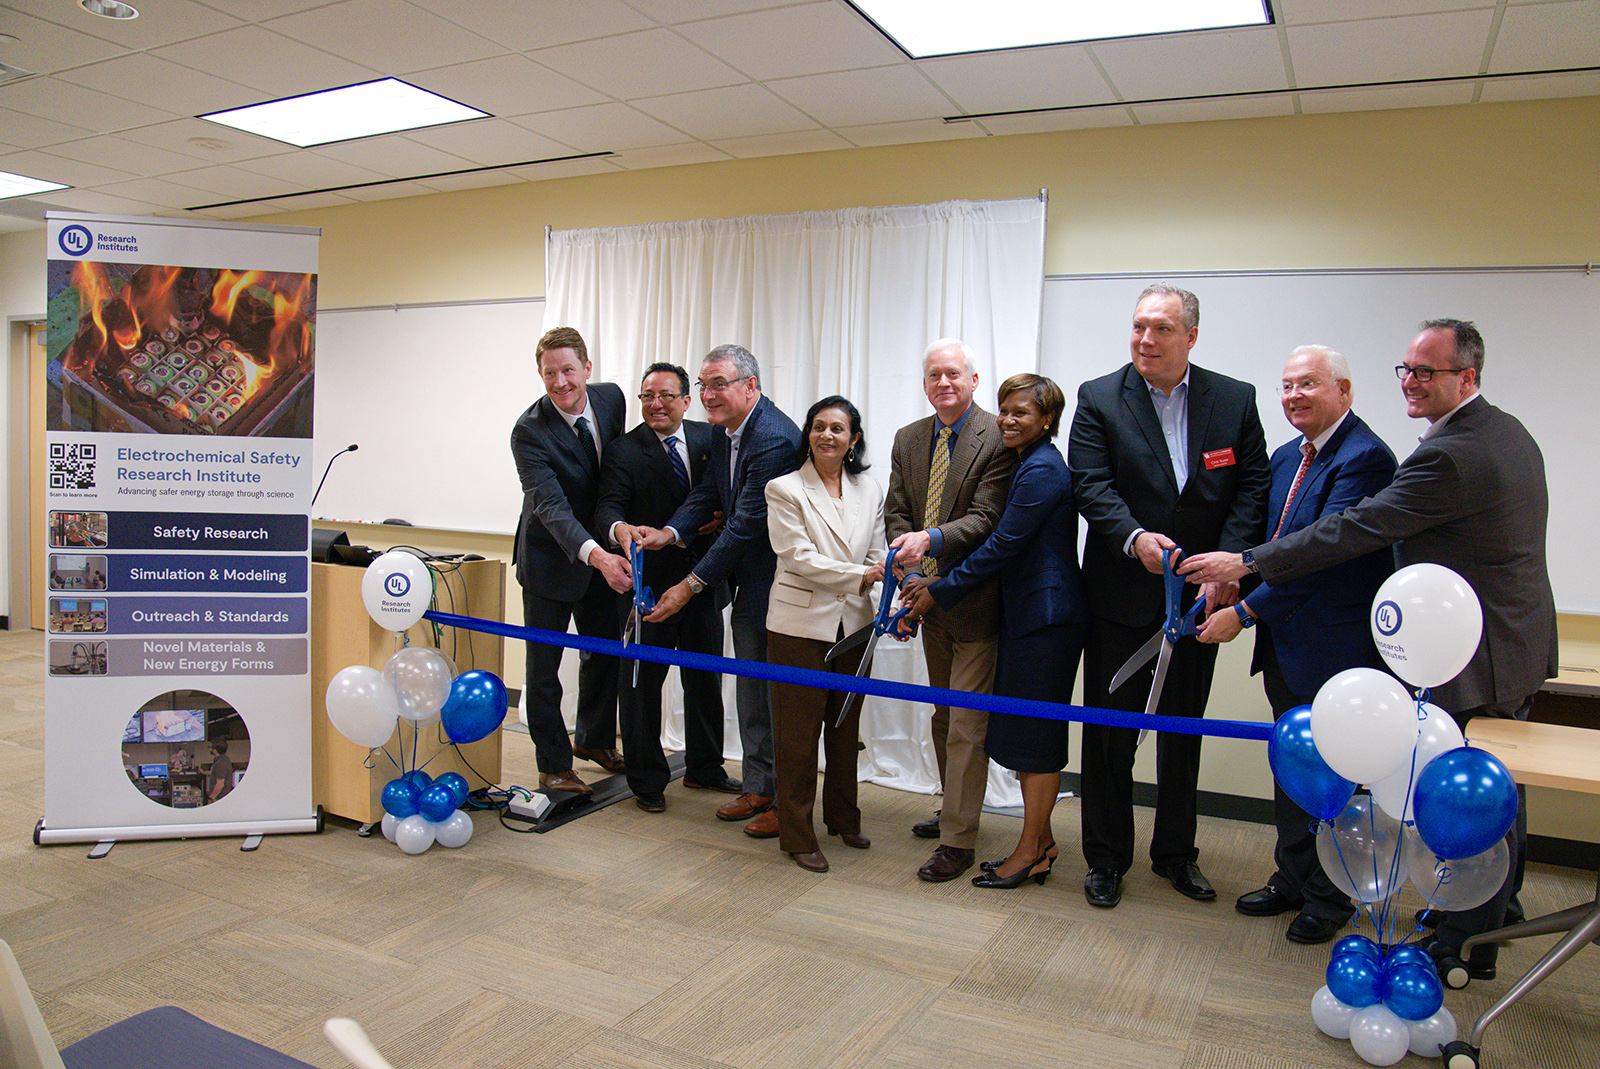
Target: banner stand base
[{"x": 250, "y": 831}]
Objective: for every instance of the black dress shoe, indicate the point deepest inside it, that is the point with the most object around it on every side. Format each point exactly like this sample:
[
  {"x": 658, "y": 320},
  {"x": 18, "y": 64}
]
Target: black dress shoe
[
  {"x": 947, "y": 863},
  {"x": 992, "y": 877},
  {"x": 651, "y": 803},
  {"x": 1267, "y": 902},
  {"x": 1308, "y": 929},
  {"x": 1187, "y": 880},
  {"x": 715, "y": 780},
  {"x": 1103, "y": 887},
  {"x": 927, "y": 829}
]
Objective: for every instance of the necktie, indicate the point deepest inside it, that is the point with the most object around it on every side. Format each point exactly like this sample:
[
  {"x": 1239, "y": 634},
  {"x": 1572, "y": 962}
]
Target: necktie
[
  {"x": 678, "y": 467},
  {"x": 586, "y": 442},
  {"x": 938, "y": 471},
  {"x": 1307, "y": 453}
]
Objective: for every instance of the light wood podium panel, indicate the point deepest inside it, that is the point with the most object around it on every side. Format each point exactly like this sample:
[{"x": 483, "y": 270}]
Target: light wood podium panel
[{"x": 343, "y": 634}]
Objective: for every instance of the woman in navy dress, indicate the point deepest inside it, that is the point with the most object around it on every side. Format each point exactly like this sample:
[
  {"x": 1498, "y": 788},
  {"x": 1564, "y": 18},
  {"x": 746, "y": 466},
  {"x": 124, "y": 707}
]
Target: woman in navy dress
[{"x": 1044, "y": 615}]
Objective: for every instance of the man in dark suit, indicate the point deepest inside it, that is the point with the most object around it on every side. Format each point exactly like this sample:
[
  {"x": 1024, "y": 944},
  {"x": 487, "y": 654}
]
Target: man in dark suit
[
  {"x": 758, "y": 443},
  {"x": 933, "y": 524},
  {"x": 645, "y": 476},
  {"x": 1163, "y": 454},
  {"x": 1472, "y": 497},
  {"x": 1314, "y": 627},
  {"x": 564, "y": 572}
]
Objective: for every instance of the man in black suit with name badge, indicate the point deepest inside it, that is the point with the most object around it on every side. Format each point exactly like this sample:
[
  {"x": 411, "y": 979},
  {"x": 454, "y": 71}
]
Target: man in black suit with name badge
[
  {"x": 1163, "y": 454},
  {"x": 564, "y": 573},
  {"x": 645, "y": 477}
]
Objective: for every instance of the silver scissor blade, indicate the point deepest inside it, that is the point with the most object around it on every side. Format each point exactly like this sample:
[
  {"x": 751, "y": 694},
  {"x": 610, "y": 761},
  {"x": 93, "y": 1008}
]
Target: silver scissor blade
[
  {"x": 852, "y": 699},
  {"x": 1161, "y": 677},
  {"x": 1138, "y": 660}
]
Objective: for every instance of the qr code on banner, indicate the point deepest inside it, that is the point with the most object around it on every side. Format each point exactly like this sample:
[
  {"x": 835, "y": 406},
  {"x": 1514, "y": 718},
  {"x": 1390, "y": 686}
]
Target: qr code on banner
[{"x": 71, "y": 466}]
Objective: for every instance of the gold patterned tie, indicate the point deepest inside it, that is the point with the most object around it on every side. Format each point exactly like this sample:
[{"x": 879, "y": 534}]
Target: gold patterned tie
[{"x": 937, "y": 473}]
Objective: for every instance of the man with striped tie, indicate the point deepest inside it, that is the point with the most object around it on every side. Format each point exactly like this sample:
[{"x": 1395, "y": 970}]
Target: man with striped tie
[
  {"x": 948, "y": 481},
  {"x": 646, "y": 475}
]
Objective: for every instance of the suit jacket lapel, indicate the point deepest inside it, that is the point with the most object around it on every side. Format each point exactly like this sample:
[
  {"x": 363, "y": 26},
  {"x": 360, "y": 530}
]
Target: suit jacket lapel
[
  {"x": 822, "y": 502},
  {"x": 917, "y": 464},
  {"x": 566, "y": 437},
  {"x": 1136, "y": 399},
  {"x": 961, "y": 461},
  {"x": 1318, "y": 469},
  {"x": 1201, "y": 404}
]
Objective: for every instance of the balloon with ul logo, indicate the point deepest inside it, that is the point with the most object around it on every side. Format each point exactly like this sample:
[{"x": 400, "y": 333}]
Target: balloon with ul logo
[
  {"x": 1426, "y": 621},
  {"x": 396, "y": 590}
]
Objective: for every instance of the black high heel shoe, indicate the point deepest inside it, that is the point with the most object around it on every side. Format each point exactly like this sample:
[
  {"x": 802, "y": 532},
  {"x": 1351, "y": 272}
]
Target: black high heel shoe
[
  {"x": 990, "y": 866},
  {"x": 1018, "y": 878}
]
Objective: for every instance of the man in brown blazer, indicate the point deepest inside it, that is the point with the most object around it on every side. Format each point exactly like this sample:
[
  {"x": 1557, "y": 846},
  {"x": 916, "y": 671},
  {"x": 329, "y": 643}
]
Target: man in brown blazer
[{"x": 931, "y": 533}]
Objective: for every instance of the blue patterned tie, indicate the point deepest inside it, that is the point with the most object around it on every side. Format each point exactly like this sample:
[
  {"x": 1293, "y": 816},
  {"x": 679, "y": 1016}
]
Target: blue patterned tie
[{"x": 671, "y": 442}]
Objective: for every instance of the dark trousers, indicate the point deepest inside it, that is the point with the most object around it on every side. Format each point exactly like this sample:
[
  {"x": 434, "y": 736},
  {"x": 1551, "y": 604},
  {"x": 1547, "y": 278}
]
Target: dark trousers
[
  {"x": 1299, "y": 872},
  {"x": 799, "y": 716},
  {"x": 596, "y": 615},
  {"x": 1493, "y": 914},
  {"x": 1108, "y": 753},
  {"x": 696, "y": 628}
]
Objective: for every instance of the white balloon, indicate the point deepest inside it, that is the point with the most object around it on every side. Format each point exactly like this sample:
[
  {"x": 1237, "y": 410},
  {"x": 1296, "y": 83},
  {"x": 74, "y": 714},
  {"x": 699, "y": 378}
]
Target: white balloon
[
  {"x": 1459, "y": 884},
  {"x": 421, "y": 678},
  {"x": 1430, "y": 1037},
  {"x": 1331, "y": 1015},
  {"x": 397, "y": 589},
  {"x": 1435, "y": 735},
  {"x": 1379, "y": 1036},
  {"x": 413, "y": 834},
  {"x": 1364, "y": 724},
  {"x": 1426, "y": 621},
  {"x": 456, "y": 831},
  {"x": 388, "y": 824},
  {"x": 362, "y": 706}
]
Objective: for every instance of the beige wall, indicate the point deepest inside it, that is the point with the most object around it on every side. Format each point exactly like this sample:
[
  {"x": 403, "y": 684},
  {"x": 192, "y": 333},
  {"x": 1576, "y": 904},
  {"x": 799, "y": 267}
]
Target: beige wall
[{"x": 1484, "y": 184}]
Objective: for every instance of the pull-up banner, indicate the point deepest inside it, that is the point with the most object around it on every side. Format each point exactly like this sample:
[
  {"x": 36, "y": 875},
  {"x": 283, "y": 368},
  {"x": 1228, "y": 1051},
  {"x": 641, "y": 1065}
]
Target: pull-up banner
[{"x": 178, "y": 485}]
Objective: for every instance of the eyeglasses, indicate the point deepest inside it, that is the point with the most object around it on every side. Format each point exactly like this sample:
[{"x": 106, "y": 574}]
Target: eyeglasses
[
  {"x": 664, "y": 397},
  {"x": 1304, "y": 386},
  {"x": 719, "y": 385},
  {"x": 1424, "y": 373}
]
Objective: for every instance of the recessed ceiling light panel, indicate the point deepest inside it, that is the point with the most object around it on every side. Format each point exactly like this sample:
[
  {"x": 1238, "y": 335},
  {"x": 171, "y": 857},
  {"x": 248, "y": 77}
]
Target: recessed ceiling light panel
[
  {"x": 19, "y": 185},
  {"x": 365, "y": 110},
  {"x": 924, "y": 28},
  {"x": 109, "y": 9}
]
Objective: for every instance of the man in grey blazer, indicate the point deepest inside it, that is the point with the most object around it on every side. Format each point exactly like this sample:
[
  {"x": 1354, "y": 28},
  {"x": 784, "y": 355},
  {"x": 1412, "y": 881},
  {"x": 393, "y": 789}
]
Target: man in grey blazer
[
  {"x": 1472, "y": 497},
  {"x": 565, "y": 574},
  {"x": 931, "y": 534}
]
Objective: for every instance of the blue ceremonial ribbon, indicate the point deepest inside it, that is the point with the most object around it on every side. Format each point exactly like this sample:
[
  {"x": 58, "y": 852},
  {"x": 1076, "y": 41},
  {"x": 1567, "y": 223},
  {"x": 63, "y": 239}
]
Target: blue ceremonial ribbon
[{"x": 882, "y": 688}]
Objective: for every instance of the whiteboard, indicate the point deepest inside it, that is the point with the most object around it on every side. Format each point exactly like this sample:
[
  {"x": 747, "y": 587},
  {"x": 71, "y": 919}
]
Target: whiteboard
[{"x": 1536, "y": 325}]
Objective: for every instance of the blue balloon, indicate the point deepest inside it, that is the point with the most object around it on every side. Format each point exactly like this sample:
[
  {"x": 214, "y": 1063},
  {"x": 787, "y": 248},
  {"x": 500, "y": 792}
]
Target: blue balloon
[
  {"x": 1355, "y": 980},
  {"x": 1300, "y": 769},
  {"x": 437, "y": 803},
  {"x": 419, "y": 779},
  {"x": 1406, "y": 954},
  {"x": 400, "y": 799},
  {"x": 458, "y": 786},
  {"x": 1465, "y": 802},
  {"x": 1413, "y": 992},
  {"x": 476, "y": 706},
  {"x": 1357, "y": 944}
]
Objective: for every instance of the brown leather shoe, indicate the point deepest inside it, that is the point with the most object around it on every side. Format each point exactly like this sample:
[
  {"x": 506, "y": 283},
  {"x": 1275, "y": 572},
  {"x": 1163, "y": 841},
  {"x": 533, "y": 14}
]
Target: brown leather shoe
[
  {"x": 744, "y": 807},
  {"x": 853, "y": 839},
  {"x": 947, "y": 863},
  {"x": 564, "y": 781},
  {"x": 763, "y": 827},
  {"x": 927, "y": 829},
  {"x": 610, "y": 759},
  {"x": 813, "y": 862}
]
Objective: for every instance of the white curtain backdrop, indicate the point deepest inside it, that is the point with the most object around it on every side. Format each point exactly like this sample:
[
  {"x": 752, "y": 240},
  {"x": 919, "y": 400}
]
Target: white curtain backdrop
[{"x": 829, "y": 302}]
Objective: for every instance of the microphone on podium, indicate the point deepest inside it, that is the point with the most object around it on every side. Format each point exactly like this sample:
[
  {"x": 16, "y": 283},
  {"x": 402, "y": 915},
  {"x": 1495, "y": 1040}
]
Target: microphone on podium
[{"x": 336, "y": 456}]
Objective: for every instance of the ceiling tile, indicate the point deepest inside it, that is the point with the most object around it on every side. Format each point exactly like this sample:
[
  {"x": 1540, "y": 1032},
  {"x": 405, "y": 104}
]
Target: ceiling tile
[
  {"x": 309, "y": 169},
  {"x": 1222, "y": 108},
  {"x": 30, "y": 131},
  {"x": 1030, "y": 78},
  {"x": 734, "y": 111},
  {"x": 491, "y": 141},
  {"x": 1548, "y": 37},
  {"x": 224, "y": 182},
  {"x": 155, "y": 191},
  {"x": 388, "y": 191},
  {"x": 763, "y": 43},
  {"x": 125, "y": 154},
  {"x": 148, "y": 80},
  {"x": 1383, "y": 50},
  {"x": 395, "y": 155},
  {"x": 602, "y": 127},
  {"x": 73, "y": 104},
  {"x": 525, "y": 24},
  {"x": 387, "y": 35},
  {"x": 670, "y": 11},
  {"x": 645, "y": 64},
  {"x": 48, "y": 167},
  {"x": 1197, "y": 64},
  {"x": 209, "y": 141},
  {"x": 471, "y": 180},
  {"x": 908, "y": 133},
  {"x": 261, "y": 10},
  {"x": 1386, "y": 97},
  {"x": 1050, "y": 121},
  {"x": 101, "y": 202},
  {"x": 240, "y": 211},
  {"x": 1301, "y": 12},
  {"x": 1541, "y": 88},
  {"x": 161, "y": 22},
  {"x": 856, "y": 98},
  {"x": 45, "y": 46},
  {"x": 505, "y": 86},
  {"x": 669, "y": 156},
  {"x": 306, "y": 201},
  {"x": 276, "y": 65},
  {"x": 563, "y": 169},
  {"x": 782, "y": 144}
]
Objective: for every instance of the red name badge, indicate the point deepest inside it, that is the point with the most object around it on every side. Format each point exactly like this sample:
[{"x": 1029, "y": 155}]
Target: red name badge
[{"x": 1219, "y": 458}]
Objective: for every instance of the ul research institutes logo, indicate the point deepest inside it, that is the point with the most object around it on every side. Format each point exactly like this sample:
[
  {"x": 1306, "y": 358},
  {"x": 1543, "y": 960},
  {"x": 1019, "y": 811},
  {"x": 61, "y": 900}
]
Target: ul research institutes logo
[
  {"x": 1387, "y": 618},
  {"x": 397, "y": 585},
  {"x": 75, "y": 240}
]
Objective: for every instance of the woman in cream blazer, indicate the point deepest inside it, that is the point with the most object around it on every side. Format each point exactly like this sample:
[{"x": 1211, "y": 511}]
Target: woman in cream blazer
[{"x": 826, "y": 525}]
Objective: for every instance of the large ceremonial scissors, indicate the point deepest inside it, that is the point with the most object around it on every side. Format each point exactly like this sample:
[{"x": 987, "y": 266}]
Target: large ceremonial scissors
[
  {"x": 644, "y": 603},
  {"x": 886, "y": 621},
  {"x": 1178, "y": 625}
]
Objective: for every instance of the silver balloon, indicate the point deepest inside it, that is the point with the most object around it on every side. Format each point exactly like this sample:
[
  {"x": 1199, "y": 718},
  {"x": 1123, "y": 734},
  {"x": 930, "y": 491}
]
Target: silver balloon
[
  {"x": 1430, "y": 1037},
  {"x": 421, "y": 679},
  {"x": 1379, "y": 1036},
  {"x": 1360, "y": 851},
  {"x": 1461, "y": 884},
  {"x": 414, "y": 834},
  {"x": 1331, "y": 1015},
  {"x": 454, "y": 831},
  {"x": 388, "y": 825}
]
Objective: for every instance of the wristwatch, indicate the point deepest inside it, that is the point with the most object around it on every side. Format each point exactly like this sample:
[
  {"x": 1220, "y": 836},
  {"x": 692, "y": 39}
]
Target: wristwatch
[
  {"x": 1245, "y": 619},
  {"x": 1248, "y": 559},
  {"x": 694, "y": 583}
]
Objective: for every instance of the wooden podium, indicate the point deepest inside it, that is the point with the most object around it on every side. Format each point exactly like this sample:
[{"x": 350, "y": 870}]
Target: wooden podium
[{"x": 343, "y": 634}]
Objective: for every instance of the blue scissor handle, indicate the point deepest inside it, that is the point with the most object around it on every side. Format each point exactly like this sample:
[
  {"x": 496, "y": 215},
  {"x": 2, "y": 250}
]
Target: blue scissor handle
[
  {"x": 888, "y": 620},
  {"x": 1179, "y": 624},
  {"x": 644, "y": 601}
]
